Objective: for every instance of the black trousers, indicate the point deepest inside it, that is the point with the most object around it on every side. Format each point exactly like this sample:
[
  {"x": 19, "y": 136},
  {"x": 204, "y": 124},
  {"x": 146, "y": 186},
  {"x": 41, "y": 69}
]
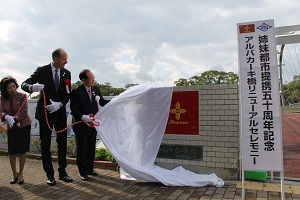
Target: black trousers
[
  {"x": 85, "y": 138},
  {"x": 61, "y": 140}
]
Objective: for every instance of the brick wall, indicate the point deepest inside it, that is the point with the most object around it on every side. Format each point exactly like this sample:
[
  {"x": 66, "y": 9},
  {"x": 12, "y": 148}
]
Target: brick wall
[{"x": 218, "y": 132}]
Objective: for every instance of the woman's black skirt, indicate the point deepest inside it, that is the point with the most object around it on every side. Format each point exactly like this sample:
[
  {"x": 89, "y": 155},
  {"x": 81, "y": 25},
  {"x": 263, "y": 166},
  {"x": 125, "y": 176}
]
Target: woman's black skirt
[{"x": 19, "y": 140}]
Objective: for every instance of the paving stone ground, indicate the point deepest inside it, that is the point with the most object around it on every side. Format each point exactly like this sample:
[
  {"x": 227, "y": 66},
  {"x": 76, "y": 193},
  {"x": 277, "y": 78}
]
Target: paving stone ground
[{"x": 108, "y": 185}]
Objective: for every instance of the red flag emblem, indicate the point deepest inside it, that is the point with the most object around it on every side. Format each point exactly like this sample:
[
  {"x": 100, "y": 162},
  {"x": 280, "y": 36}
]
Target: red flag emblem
[{"x": 248, "y": 28}]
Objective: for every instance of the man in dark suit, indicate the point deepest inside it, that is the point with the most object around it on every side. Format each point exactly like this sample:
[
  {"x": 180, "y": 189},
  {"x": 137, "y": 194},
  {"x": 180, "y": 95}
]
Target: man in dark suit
[
  {"x": 55, "y": 81},
  {"x": 84, "y": 104}
]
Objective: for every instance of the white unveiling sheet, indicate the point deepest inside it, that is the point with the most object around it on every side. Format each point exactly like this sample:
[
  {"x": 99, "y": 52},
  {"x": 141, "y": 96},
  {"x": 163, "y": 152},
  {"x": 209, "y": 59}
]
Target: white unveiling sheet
[{"x": 132, "y": 126}]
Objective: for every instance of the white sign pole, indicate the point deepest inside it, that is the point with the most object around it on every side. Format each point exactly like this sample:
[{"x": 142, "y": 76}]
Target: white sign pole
[{"x": 261, "y": 129}]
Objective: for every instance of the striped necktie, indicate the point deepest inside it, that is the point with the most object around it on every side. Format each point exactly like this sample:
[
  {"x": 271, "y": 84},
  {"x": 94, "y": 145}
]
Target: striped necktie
[{"x": 56, "y": 80}]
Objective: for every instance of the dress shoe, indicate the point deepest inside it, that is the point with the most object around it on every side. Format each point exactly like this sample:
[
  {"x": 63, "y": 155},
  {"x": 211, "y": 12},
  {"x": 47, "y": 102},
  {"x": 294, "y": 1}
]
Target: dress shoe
[
  {"x": 65, "y": 178},
  {"x": 93, "y": 173},
  {"x": 20, "y": 179},
  {"x": 84, "y": 177},
  {"x": 51, "y": 181},
  {"x": 13, "y": 181}
]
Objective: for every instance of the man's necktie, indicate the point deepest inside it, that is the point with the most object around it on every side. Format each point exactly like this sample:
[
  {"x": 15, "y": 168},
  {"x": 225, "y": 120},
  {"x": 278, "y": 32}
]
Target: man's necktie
[
  {"x": 56, "y": 80},
  {"x": 90, "y": 93}
]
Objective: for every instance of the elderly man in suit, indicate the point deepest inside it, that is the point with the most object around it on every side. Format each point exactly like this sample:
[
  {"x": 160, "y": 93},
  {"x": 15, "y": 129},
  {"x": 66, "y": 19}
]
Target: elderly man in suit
[
  {"x": 55, "y": 81},
  {"x": 84, "y": 104}
]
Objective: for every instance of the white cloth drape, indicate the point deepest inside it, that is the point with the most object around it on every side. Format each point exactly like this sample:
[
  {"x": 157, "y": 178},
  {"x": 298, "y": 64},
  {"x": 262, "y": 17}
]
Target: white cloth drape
[{"x": 132, "y": 126}]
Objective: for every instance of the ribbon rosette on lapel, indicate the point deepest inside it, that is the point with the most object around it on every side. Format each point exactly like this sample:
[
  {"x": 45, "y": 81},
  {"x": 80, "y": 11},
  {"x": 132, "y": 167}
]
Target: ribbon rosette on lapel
[{"x": 67, "y": 83}]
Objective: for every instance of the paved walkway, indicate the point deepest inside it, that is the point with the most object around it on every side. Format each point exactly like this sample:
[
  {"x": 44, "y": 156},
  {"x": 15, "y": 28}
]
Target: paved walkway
[
  {"x": 108, "y": 185},
  {"x": 291, "y": 144}
]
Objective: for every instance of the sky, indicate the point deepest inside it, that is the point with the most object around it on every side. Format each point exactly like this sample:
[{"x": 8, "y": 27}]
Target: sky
[{"x": 131, "y": 41}]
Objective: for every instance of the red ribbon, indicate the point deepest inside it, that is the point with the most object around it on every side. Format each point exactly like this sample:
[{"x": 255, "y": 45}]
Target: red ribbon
[
  {"x": 67, "y": 83},
  {"x": 94, "y": 122}
]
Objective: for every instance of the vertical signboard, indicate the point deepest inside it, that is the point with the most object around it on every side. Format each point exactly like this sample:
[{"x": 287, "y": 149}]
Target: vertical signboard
[{"x": 261, "y": 130}]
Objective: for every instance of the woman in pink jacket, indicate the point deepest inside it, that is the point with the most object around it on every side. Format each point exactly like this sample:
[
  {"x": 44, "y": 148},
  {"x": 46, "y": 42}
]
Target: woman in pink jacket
[{"x": 14, "y": 112}]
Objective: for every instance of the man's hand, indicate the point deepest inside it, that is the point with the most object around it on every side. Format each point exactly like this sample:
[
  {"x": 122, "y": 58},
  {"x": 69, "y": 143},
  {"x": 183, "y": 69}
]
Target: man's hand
[
  {"x": 86, "y": 118},
  {"x": 10, "y": 120},
  {"x": 54, "y": 106},
  {"x": 37, "y": 87}
]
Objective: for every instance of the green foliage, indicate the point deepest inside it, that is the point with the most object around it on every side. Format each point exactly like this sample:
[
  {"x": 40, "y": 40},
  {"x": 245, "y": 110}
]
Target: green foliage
[
  {"x": 71, "y": 151},
  {"x": 35, "y": 97},
  {"x": 100, "y": 154},
  {"x": 208, "y": 78},
  {"x": 54, "y": 148},
  {"x": 103, "y": 154},
  {"x": 110, "y": 158},
  {"x": 181, "y": 82},
  {"x": 291, "y": 91},
  {"x": 116, "y": 91},
  {"x": 36, "y": 145},
  {"x": 106, "y": 88},
  {"x": 75, "y": 85},
  {"x": 71, "y": 148},
  {"x": 130, "y": 85},
  {"x": 3, "y": 137}
]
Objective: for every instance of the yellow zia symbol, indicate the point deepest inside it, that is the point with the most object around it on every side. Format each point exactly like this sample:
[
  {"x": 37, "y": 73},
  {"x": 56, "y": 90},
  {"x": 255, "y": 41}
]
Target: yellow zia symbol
[{"x": 177, "y": 111}]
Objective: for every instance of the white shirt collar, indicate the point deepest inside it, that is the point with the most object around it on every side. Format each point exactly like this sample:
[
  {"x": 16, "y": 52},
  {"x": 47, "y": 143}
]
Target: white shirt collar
[
  {"x": 53, "y": 69},
  {"x": 87, "y": 88}
]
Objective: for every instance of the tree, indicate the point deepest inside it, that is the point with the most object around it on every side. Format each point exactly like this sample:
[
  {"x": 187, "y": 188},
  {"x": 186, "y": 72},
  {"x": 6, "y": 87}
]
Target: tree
[
  {"x": 181, "y": 82},
  {"x": 75, "y": 85},
  {"x": 208, "y": 78},
  {"x": 291, "y": 91},
  {"x": 130, "y": 85},
  {"x": 105, "y": 88},
  {"x": 116, "y": 91},
  {"x": 108, "y": 88}
]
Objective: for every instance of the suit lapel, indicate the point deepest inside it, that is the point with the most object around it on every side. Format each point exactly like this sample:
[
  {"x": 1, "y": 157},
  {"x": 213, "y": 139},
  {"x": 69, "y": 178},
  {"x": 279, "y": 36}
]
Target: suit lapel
[
  {"x": 85, "y": 95},
  {"x": 51, "y": 80},
  {"x": 93, "y": 95},
  {"x": 61, "y": 77}
]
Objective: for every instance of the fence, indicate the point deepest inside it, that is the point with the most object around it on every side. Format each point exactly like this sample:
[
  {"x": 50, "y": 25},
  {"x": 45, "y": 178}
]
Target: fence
[{"x": 294, "y": 108}]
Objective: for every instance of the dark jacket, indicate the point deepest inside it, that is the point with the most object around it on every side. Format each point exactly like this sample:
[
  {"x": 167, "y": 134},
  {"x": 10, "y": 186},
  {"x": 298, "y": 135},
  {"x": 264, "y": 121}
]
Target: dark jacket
[
  {"x": 43, "y": 75},
  {"x": 81, "y": 104}
]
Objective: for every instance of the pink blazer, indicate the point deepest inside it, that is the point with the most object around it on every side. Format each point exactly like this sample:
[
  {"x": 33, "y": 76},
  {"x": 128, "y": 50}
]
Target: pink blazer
[{"x": 11, "y": 107}]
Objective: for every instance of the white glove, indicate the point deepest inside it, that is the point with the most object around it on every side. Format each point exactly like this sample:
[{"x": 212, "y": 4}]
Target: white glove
[
  {"x": 86, "y": 118},
  {"x": 10, "y": 120},
  {"x": 54, "y": 106},
  {"x": 37, "y": 87},
  {"x": 97, "y": 98}
]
